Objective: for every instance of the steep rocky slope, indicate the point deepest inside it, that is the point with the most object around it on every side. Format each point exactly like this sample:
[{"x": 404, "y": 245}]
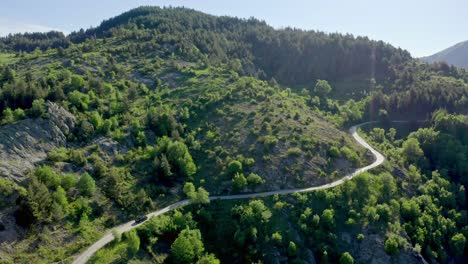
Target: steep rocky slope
[{"x": 26, "y": 142}]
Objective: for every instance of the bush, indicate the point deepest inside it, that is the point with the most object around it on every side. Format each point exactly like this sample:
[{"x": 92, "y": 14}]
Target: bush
[
  {"x": 351, "y": 156},
  {"x": 277, "y": 237},
  {"x": 269, "y": 141},
  {"x": 346, "y": 258},
  {"x": 234, "y": 167},
  {"x": 334, "y": 152},
  {"x": 188, "y": 246},
  {"x": 293, "y": 152},
  {"x": 391, "y": 246},
  {"x": 38, "y": 108},
  {"x": 292, "y": 249},
  {"x": 86, "y": 184},
  {"x": 254, "y": 179},
  {"x": 47, "y": 175},
  {"x": 457, "y": 244},
  {"x": 58, "y": 154},
  {"x": 77, "y": 157},
  {"x": 68, "y": 181},
  {"x": 239, "y": 181}
]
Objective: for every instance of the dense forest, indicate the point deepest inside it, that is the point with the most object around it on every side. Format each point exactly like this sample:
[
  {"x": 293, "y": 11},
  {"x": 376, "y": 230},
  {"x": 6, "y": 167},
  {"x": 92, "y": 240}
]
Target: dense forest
[{"x": 172, "y": 103}]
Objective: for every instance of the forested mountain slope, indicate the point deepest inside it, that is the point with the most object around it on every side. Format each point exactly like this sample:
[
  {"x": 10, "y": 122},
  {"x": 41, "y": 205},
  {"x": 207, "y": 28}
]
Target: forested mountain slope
[{"x": 164, "y": 100}]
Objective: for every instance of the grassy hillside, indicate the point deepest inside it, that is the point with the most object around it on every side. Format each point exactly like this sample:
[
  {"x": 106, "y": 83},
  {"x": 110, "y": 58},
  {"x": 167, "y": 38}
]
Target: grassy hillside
[{"x": 166, "y": 98}]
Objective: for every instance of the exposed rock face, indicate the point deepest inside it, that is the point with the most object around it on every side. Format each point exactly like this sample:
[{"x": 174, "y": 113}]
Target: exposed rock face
[
  {"x": 371, "y": 250},
  {"x": 26, "y": 142}
]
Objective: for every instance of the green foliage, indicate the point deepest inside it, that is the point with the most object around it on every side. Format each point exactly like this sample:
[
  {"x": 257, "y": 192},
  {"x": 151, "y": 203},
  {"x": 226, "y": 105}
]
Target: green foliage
[
  {"x": 239, "y": 181},
  {"x": 7, "y": 116},
  {"x": 47, "y": 175},
  {"x": 292, "y": 249},
  {"x": 133, "y": 242},
  {"x": 38, "y": 108},
  {"x": 351, "y": 155},
  {"x": 234, "y": 167},
  {"x": 458, "y": 243},
  {"x": 86, "y": 184},
  {"x": 277, "y": 237},
  {"x": 322, "y": 88},
  {"x": 68, "y": 181},
  {"x": 199, "y": 196},
  {"x": 58, "y": 154},
  {"x": 334, "y": 152},
  {"x": 208, "y": 259},
  {"x": 198, "y": 77},
  {"x": 188, "y": 246},
  {"x": 412, "y": 150},
  {"x": 174, "y": 154},
  {"x": 254, "y": 179},
  {"x": 346, "y": 258},
  {"x": 391, "y": 246}
]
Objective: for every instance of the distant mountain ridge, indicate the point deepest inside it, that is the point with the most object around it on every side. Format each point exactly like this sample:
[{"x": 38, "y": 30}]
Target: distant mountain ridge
[{"x": 456, "y": 55}]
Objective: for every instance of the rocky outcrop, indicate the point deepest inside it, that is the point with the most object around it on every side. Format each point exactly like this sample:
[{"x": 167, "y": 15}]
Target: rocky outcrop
[
  {"x": 371, "y": 250},
  {"x": 27, "y": 142}
]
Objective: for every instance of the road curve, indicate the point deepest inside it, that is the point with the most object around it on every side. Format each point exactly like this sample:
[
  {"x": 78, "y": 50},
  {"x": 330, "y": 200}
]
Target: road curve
[{"x": 108, "y": 237}]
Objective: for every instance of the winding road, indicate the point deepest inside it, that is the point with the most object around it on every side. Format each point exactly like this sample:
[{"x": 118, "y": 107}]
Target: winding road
[{"x": 108, "y": 237}]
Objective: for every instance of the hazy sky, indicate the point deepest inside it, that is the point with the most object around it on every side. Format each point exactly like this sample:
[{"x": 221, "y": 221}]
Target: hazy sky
[{"x": 422, "y": 27}]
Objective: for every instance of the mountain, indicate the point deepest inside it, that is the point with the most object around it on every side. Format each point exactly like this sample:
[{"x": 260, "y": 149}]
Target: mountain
[
  {"x": 166, "y": 104},
  {"x": 456, "y": 55}
]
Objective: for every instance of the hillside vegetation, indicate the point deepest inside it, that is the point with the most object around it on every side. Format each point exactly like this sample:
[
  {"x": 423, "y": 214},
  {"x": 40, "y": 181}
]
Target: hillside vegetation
[{"x": 168, "y": 103}]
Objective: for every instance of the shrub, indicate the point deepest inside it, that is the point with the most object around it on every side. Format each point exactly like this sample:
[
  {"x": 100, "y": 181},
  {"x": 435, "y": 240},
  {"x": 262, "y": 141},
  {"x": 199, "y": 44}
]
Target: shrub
[
  {"x": 334, "y": 152},
  {"x": 254, "y": 179},
  {"x": 58, "y": 154},
  {"x": 239, "y": 181},
  {"x": 269, "y": 141},
  {"x": 346, "y": 258},
  {"x": 47, "y": 175},
  {"x": 234, "y": 167},
  {"x": 293, "y": 152},
  {"x": 77, "y": 157},
  {"x": 391, "y": 246},
  {"x": 277, "y": 237},
  {"x": 86, "y": 184}
]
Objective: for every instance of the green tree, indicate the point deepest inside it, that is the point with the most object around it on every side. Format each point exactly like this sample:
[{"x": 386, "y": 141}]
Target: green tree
[
  {"x": 239, "y": 181},
  {"x": 292, "y": 249},
  {"x": 47, "y": 175},
  {"x": 60, "y": 197},
  {"x": 208, "y": 259},
  {"x": 189, "y": 189},
  {"x": 133, "y": 242},
  {"x": 201, "y": 197},
  {"x": 86, "y": 184},
  {"x": 391, "y": 246},
  {"x": 254, "y": 179},
  {"x": 96, "y": 120},
  {"x": 457, "y": 244},
  {"x": 188, "y": 246},
  {"x": 328, "y": 218},
  {"x": 234, "y": 167},
  {"x": 8, "y": 116},
  {"x": 412, "y": 150},
  {"x": 38, "y": 108},
  {"x": 346, "y": 258},
  {"x": 40, "y": 201},
  {"x": 322, "y": 88},
  {"x": 178, "y": 154}
]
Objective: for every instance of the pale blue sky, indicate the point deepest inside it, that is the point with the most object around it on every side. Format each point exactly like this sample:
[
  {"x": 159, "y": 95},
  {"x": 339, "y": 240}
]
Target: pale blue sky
[{"x": 422, "y": 27}]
